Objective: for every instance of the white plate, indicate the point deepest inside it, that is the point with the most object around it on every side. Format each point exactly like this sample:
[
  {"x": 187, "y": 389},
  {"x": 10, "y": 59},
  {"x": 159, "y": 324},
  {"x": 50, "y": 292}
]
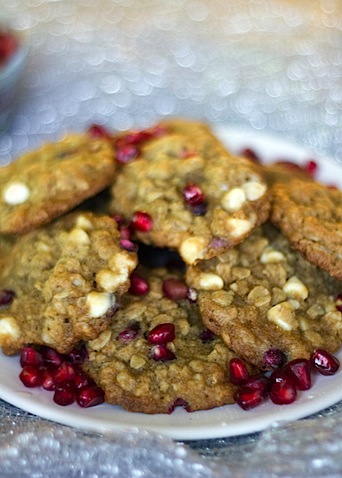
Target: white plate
[{"x": 217, "y": 423}]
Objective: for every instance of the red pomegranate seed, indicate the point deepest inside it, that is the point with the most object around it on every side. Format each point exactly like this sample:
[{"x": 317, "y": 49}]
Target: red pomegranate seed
[
  {"x": 129, "y": 333},
  {"x": 238, "y": 371},
  {"x": 339, "y": 302},
  {"x": 98, "y": 131},
  {"x": 139, "y": 285},
  {"x": 175, "y": 289},
  {"x": 142, "y": 221},
  {"x": 300, "y": 372},
  {"x": 162, "y": 353},
  {"x": 78, "y": 355},
  {"x": 52, "y": 357},
  {"x": 311, "y": 167},
  {"x": 6, "y": 297},
  {"x": 283, "y": 392},
  {"x": 207, "y": 335},
  {"x": 82, "y": 380},
  {"x": 30, "y": 356},
  {"x": 47, "y": 379},
  {"x": 274, "y": 358},
  {"x": 249, "y": 153},
  {"x": 161, "y": 334},
  {"x": 324, "y": 362},
  {"x": 248, "y": 398},
  {"x": 8, "y": 46},
  {"x": 65, "y": 394},
  {"x": 31, "y": 376},
  {"x": 64, "y": 373},
  {"x": 180, "y": 402},
  {"x": 127, "y": 153},
  {"x": 129, "y": 245},
  {"x": 125, "y": 232},
  {"x": 259, "y": 382},
  {"x": 90, "y": 397},
  {"x": 199, "y": 209},
  {"x": 193, "y": 195}
]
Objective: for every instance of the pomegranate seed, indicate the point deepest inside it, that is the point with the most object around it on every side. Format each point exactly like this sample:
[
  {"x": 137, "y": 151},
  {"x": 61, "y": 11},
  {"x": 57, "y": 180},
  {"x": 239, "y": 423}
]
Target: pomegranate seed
[
  {"x": 90, "y": 397},
  {"x": 311, "y": 167},
  {"x": 162, "y": 353},
  {"x": 78, "y": 355},
  {"x": 130, "y": 333},
  {"x": 274, "y": 358},
  {"x": 8, "y": 46},
  {"x": 139, "y": 285},
  {"x": 83, "y": 380},
  {"x": 300, "y": 372},
  {"x": 127, "y": 153},
  {"x": 161, "y": 334},
  {"x": 31, "y": 376},
  {"x": 136, "y": 137},
  {"x": 98, "y": 131},
  {"x": 125, "y": 232},
  {"x": 47, "y": 379},
  {"x": 259, "y": 382},
  {"x": 248, "y": 398},
  {"x": 250, "y": 154},
  {"x": 199, "y": 209},
  {"x": 174, "y": 289},
  {"x": 6, "y": 297},
  {"x": 283, "y": 390},
  {"x": 238, "y": 372},
  {"x": 128, "y": 245},
  {"x": 64, "y": 373},
  {"x": 324, "y": 362},
  {"x": 179, "y": 402},
  {"x": 52, "y": 357},
  {"x": 193, "y": 195},
  {"x": 339, "y": 302},
  {"x": 142, "y": 221},
  {"x": 65, "y": 394},
  {"x": 188, "y": 153},
  {"x": 30, "y": 356},
  {"x": 207, "y": 335}
]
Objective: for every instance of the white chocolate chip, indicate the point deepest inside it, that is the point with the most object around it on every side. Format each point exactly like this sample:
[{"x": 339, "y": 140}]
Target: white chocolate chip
[
  {"x": 9, "y": 329},
  {"x": 79, "y": 236},
  {"x": 109, "y": 280},
  {"x": 99, "y": 303},
  {"x": 283, "y": 315},
  {"x": 295, "y": 289},
  {"x": 271, "y": 255},
  {"x": 254, "y": 190},
  {"x": 239, "y": 227},
  {"x": 233, "y": 200},
  {"x": 16, "y": 193},
  {"x": 210, "y": 281},
  {"x": 84, "y": 223},
  {"x": 192, "y": 249}
]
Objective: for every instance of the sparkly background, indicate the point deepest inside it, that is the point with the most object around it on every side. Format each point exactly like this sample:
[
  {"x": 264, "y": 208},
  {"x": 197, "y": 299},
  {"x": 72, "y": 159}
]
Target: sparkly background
[{"x": 271, "y": 65}]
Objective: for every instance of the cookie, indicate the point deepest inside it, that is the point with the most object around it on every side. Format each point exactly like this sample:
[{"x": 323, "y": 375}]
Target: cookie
[
  {"x": 43, "y": 184},
  {"x": 66, "y": 279},
  {"x": 263, "y": 295},
  {"x": 186, "y": 192},
  {"x": 309, "y": 214},
  {"x": 189, "y": 369}
]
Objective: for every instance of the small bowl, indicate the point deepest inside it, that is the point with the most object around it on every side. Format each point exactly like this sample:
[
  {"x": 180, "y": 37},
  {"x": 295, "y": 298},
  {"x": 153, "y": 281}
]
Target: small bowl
[{"x": 12, "y": 63}]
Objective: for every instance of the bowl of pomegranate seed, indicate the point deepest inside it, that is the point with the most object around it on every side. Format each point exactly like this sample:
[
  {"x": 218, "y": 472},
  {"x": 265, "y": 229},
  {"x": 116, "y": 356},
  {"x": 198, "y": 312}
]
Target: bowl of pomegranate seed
[{"x": 13, "y": 54}]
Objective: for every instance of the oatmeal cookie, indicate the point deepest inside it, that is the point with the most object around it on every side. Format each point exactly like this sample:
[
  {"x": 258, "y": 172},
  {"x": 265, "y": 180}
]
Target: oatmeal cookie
[
  {"x": 43, "y": 184},
  {"x": 66, "y": 279},
  {"x": 309, "y": 214},
  {"x": 262, "y": 295},
  {"x": 189, "y": 369},
  {"x": 186, "y": 192}
]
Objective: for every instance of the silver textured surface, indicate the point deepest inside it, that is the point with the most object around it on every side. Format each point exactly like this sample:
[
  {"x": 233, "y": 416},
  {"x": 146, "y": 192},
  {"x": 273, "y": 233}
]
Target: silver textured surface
[{"x": 273, "y": 65}]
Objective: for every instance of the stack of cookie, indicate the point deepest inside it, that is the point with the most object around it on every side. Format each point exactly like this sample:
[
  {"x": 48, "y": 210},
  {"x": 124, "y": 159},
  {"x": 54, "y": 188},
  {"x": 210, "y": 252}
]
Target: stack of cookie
[{"x": 167, "y": 257}]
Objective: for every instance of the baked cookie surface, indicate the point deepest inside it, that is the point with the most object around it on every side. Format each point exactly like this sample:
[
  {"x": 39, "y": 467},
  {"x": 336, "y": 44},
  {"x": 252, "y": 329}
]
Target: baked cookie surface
[
  {"x": 43, "y": 184},
  {"x": 309, "y": 214},
  {"x": 263, "y": 295},
  {"x": 199, "y": 198},
  {"x": 66, "y": 279},
  {"x": 124, "y": 362}
]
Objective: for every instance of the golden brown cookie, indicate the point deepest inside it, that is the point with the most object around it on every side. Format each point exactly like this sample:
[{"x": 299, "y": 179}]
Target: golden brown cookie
[
  {"x": 43, "y": 184},
  {"x": 309, "y": 214},
  {"x": 66, "y": 279},
  {"x": 185, "y": 191},
  {"x": 262, "y": 295},
  {"x": 157, "y": 354}
]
